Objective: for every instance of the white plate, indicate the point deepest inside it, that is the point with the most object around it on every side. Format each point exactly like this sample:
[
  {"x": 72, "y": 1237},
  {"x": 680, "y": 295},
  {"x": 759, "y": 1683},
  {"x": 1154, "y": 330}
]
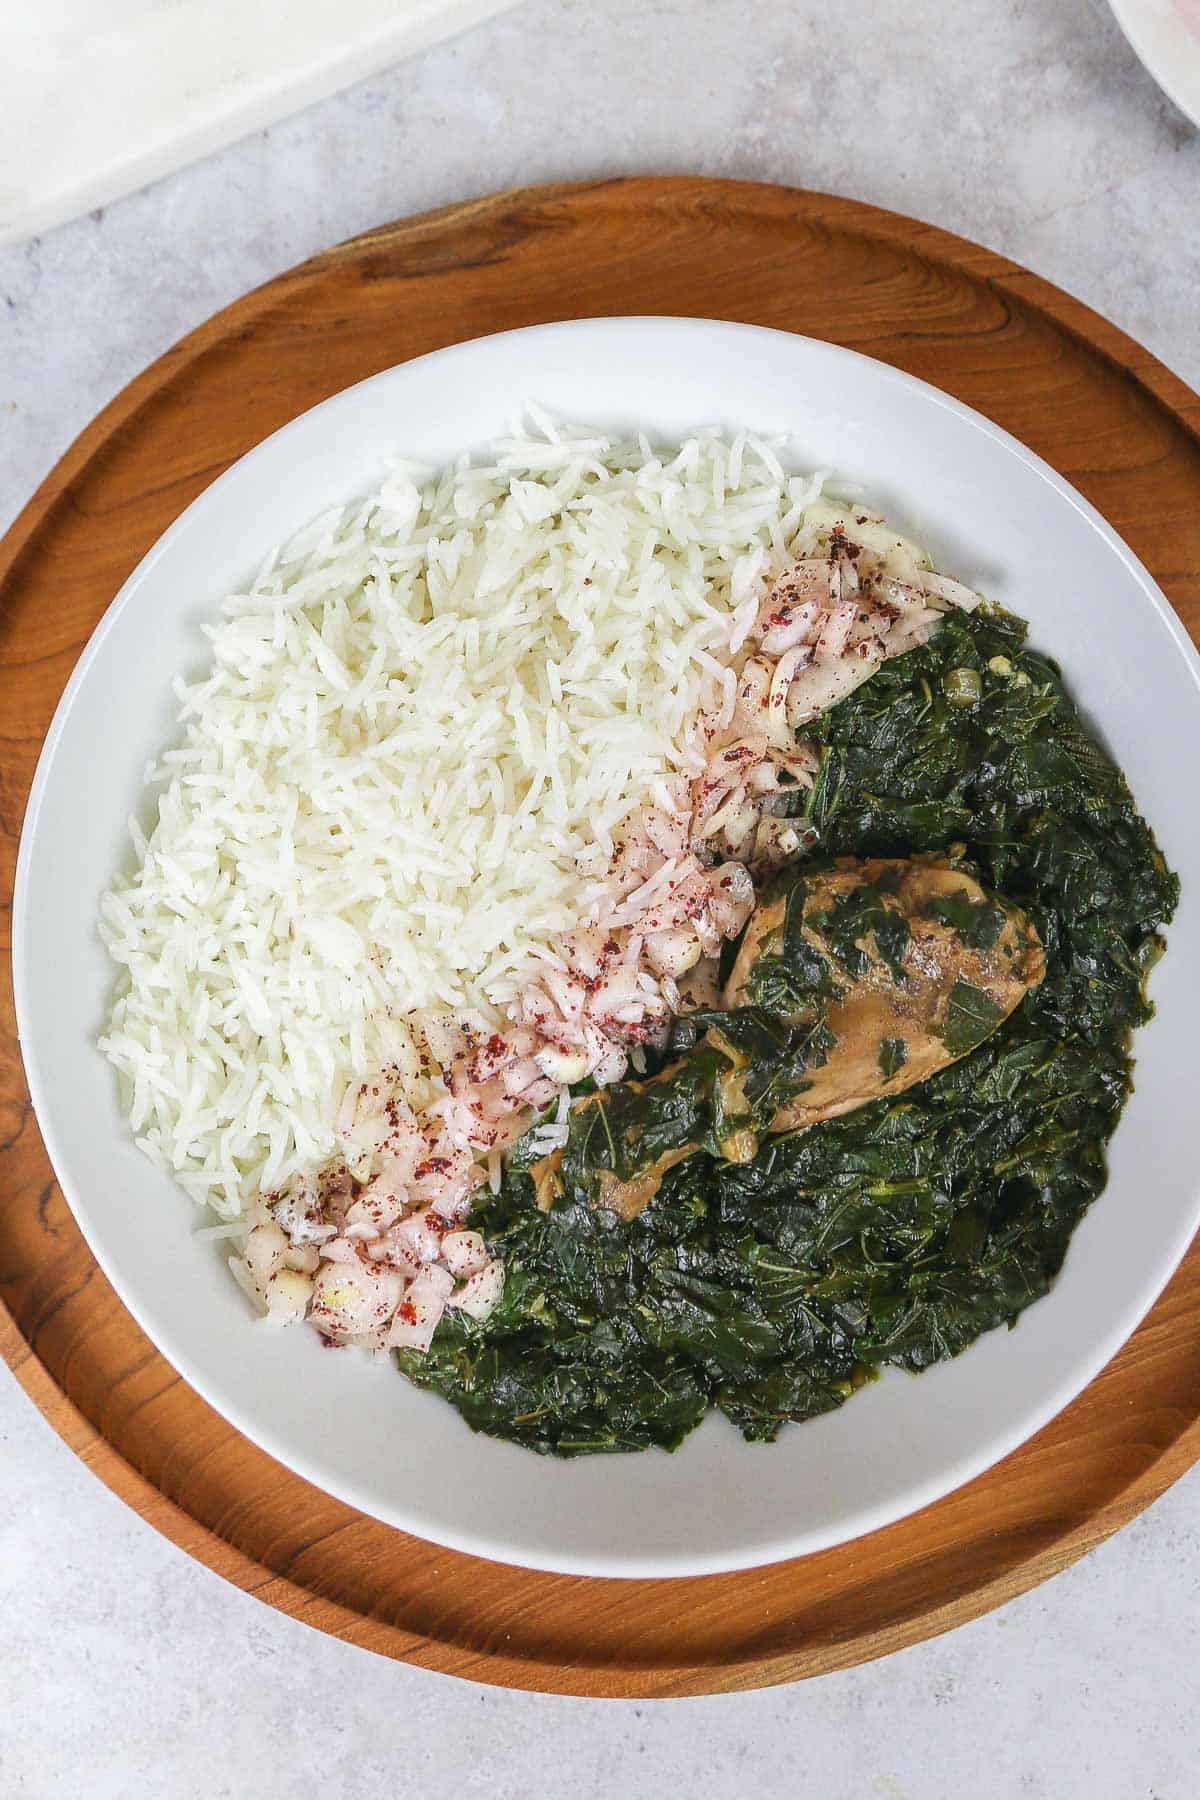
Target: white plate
[
  {"x": 993, "y": 514},
  {"x": 1165, "y": 36}
]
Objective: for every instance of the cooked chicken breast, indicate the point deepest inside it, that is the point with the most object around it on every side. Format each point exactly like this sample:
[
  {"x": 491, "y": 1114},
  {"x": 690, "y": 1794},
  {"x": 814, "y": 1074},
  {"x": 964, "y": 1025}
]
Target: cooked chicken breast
[
  {"x": 916, "y": 963},
  {"x": 954, "y": 964}
]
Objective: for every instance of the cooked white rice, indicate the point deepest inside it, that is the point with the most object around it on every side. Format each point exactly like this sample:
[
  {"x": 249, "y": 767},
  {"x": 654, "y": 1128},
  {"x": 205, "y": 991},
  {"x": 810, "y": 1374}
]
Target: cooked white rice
[{"x": 397, "y": 785}]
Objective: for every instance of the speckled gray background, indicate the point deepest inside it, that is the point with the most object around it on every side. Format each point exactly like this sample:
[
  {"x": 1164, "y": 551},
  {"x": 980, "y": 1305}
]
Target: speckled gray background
[{"x": 126, "y": 1671}]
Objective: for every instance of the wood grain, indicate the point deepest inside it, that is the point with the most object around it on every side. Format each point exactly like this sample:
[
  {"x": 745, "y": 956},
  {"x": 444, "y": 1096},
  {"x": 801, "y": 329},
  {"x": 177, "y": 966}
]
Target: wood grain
[{"x": 1098, "y": 407}]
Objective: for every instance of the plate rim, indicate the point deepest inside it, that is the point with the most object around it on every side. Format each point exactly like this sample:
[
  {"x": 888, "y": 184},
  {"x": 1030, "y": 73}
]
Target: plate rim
[{"x": 1144, "y": 33}]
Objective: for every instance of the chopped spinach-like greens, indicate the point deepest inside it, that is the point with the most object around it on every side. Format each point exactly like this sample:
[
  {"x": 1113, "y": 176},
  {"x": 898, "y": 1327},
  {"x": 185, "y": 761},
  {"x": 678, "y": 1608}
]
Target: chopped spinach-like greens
[
  {"x": 977, "y": 923},
  {"x": 858, "y": 913},
  {"x": 772, "y": 1288},
  {"x": 971, "y": 1016}
]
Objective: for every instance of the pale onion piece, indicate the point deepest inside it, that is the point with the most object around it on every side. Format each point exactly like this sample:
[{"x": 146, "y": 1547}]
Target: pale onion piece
[
  {"x": 777, "y": 842},
  {"x": 725, "y": 767},
  {"x": 764, "y": 779},
  {"x": 266, "y": 1248},
  {"x": 753, "y": 691},
  {"x": 726, "y": 816},
  {"x": 521, "y": 1075},
  {"x": 436, "y": 1282},
  {"x": 480, "y": 1296},
  {"x": 865, "y": 528},
  {"x": 348, "y": 1302},
  {"x": 481, "y": 1064},
  {"x": 835, "y": 629},
  {"x": 635, "y": 859},
  {"x": 787, "y": 669},
  {"x": 667, "y": 832},
  {"x": 611, "y": 1066},
  {"x": 416, "y": 1235},
  {"x": 563, "y": 1066},
  {"x": 732, "y": 897},
  {"x": 454, "y": 1211},
  {"x": 724, "y": 774},
  {"x": 502, "y": 1134},
  {"x": 676, "y": 789},
  {"x": 687, "y": 902},
  {"x": 701, "y": 986},
  {"x": 787, "y": 626},
  {"x": 301, "y": 1215},
  {"x": 464, "y": 1253},
  {"x": 555, "y": 1030},
  {"x": 594, "y": 1042},
  {"x": 287, "y": 1296},
  {"x": 419, "y": 1312},
  {"x": 913, "y": 629},
  {"x": 395, "y": 1255},
  {"x": 364, "y": 1122},
  {"x": 812, "y": 579},
  {"x": 540, "y": 1093},
  {"x": 905, "y": 596},
  {"x": 411, "y": 1334},
  {"x": 388, "y": 1187},
  {"x": 711, "y": 936},
  {"x": 568, "y": 995},
  {"x": 639, "y": 898},
  {"x": 373, "y": 1211},
  {"x": 672, "y": 953},
  {"x": 666, "y": 881},
  {"x": 446, "y": 1175},
  {"x": 801, "y": 765},
  {"x": 339, "y": 1250},
  {"x": 402, "y": 1059},
  {"x": 953, "y": 593},
  {"x": 617, "y": 988},
  {"x": 444, "y": 1037},
  {"x": 824, "y": 685},
  {"x": 739, "y": 828},
  {"x": 457, "y": 1120}
]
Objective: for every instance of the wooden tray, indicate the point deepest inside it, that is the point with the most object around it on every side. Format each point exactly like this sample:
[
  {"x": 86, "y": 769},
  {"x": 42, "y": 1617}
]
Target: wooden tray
[{"x": 1096, "y": 406}]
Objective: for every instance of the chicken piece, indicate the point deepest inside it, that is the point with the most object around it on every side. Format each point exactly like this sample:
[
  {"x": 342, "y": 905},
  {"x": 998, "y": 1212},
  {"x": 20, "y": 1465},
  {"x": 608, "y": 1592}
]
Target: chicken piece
[
  {"x": 916, "y": 965},
  {"x": 960, "y": 961}
]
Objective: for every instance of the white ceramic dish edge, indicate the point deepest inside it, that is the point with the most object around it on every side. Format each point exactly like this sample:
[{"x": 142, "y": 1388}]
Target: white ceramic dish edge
[
  {"x": 670, "y": 338},
  {"x": 1167, "y": 47}
]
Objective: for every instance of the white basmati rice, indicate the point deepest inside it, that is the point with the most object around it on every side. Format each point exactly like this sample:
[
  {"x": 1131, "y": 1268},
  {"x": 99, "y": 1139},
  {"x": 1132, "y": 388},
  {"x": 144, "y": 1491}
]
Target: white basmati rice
[{"x": 398, "y": 783}]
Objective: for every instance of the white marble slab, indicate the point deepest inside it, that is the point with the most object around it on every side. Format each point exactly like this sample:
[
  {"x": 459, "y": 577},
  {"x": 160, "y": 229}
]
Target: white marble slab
[
  {"x": 98, "y": 97},
  {"x": 126, "y": 1671}
]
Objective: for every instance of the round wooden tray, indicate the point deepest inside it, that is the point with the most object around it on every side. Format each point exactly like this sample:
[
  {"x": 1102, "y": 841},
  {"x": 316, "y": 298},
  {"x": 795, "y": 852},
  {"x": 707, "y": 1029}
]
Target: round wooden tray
[{"x": 1099, "y": 409}]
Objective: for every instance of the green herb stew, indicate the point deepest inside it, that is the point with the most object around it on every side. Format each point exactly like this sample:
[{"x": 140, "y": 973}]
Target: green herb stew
[{"x": 772, "y": 1272}]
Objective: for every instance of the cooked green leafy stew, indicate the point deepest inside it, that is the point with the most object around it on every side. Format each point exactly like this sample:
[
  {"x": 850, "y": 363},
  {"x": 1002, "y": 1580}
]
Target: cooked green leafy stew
[{"x": 769, "y": 1265}]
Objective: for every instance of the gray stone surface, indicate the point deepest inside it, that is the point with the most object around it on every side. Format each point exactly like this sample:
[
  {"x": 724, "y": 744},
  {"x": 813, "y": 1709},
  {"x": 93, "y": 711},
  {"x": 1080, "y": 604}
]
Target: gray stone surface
[{"x": 125, "y": 1669}]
